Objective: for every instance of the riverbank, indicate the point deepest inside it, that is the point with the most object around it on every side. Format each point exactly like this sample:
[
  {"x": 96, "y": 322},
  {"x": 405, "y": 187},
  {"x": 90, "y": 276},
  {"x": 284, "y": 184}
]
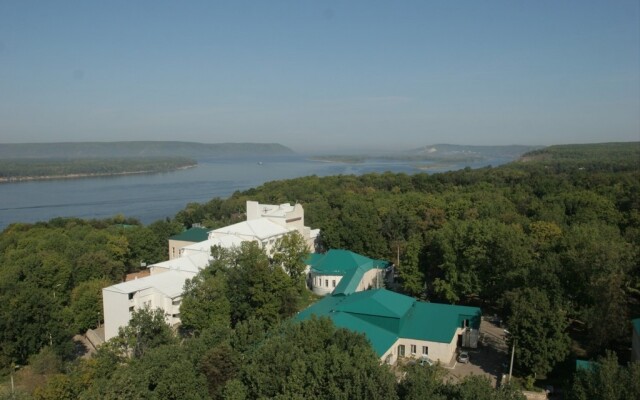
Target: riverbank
[
  {"x": 88, "y": 175},
  {"x": 27, "y": 169}
]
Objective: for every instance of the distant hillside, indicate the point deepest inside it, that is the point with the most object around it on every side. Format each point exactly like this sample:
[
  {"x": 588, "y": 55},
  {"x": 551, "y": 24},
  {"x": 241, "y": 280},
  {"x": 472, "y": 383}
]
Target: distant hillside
[
  {"x": 138, "y": 149},
  {"x": 20, "y": 169},
  {"x": 452, "y": 151},
  {"x": 601, "y": 156}
]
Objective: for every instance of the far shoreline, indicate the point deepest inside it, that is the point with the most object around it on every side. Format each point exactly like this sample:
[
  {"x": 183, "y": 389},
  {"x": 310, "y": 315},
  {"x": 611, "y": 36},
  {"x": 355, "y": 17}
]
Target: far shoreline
[{"x": 18, "y": 179}]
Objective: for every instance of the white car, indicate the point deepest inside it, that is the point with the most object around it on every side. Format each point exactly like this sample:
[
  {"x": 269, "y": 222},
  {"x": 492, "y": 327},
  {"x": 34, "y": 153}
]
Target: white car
[
  {"x": 424, "y": 360},
  {"x": 463, "y": 357}
]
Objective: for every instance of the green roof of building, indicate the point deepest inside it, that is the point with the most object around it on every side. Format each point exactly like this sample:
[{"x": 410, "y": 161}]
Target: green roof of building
[
  {"x": 636, "y": 325},
  {"x": 378, "y": 302},
  {"x": 586, "y": 365},
  {"x": 438, "y": 322},
  {"x": 380, "y": 339},
  {"x": 194, "y": 235},
  {"x": 340, "y": 262},
  {"x": 384, "y": 316},
  {"x": 350, "y": 281}
]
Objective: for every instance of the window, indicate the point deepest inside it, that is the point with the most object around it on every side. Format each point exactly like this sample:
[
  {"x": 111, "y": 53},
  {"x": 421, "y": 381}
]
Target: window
[
  {"x": 401, "y": 350},
  {"x": 131, "y": 295},
  {"x": 326, "y": 282},
  {"x": 413, "y": 349},
  {"x": 131, "y": 309},
  {"x": 334, "y": 283},
  {"x": 176, "y": 302},
  {"x": 425, "y": 350}
]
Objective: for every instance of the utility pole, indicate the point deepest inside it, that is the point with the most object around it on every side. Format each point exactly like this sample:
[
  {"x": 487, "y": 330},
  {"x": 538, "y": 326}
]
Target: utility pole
[{"x": 513, "y": 351}]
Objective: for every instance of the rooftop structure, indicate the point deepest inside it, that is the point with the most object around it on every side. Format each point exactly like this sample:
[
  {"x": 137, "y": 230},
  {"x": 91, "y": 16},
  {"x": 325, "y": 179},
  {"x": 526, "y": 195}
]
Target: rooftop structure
[
  {"x": 189, "y": 236},
  {"x": 344, "y": 272}
]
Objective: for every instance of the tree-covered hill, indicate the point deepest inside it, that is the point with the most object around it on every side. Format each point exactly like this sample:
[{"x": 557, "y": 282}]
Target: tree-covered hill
[
  {"x": 593, "y": 157},
  {"x": 139, "y": 149},
  {"x": 31, "y": 168}
]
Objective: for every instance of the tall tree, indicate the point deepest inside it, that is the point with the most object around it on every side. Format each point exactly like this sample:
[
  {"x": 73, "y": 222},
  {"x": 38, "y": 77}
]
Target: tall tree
[
  {"x": 537, "y": 329},
  {"x": 290, "y": 252},
  {"x": 147, "y": 329}
]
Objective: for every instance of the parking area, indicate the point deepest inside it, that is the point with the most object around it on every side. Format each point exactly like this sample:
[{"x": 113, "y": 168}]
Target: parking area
[{"x": 490, "y": 359}]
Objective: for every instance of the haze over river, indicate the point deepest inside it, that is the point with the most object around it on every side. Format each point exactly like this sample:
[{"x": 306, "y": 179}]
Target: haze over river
[{"x": 150, "y": 197}]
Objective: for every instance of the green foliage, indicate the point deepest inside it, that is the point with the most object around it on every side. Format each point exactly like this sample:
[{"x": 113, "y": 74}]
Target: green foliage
[
  {"x": 606, "y": 380},
  {"x": 51, "y": 275},
  {"x": 422, "y": 382},
  {"x": 147, "y": 329},
  {"x": 313, "y": 359},
  {"x": 410, "y": 270},
  {"x": 204, "y": 302},
  {"x": 86, "y": 304},
  {"x": 219, "y": 365},
  {"x": 537, "y": 328},
  {"x": 290, "y": 252}
]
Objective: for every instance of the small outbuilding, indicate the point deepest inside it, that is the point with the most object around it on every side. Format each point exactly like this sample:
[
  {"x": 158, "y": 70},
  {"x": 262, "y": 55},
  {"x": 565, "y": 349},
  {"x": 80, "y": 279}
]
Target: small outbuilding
[{"x": 343, "y": 271}]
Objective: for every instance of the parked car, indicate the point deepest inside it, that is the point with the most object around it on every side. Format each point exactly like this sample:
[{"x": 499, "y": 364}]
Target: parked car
[
  {"x": 424, "y": 361},
  {"x": 463, "y": 357}
]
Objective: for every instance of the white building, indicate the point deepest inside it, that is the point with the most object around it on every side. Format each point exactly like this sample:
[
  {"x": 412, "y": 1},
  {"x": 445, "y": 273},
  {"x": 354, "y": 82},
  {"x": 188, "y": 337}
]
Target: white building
[{"x": 163, "y": 288}]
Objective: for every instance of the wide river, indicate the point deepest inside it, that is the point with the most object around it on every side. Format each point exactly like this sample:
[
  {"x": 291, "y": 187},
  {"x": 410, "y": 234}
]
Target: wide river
[{"x": 151, "y": 197}]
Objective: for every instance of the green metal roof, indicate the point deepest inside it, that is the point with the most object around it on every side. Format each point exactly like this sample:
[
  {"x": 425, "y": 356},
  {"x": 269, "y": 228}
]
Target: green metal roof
[
  {"x": 437, "y": 322},
  {"x": 340, "y": 262},
  {"x": 379, "y": 338},
  {"x": 350, "y": 281},
  {"x": 636, "y": 325},
  {"x": 384, "y": 316},
  {"x": 586, "y": 365},
  {"x": 194, "y": 235},
  {"x": 321, "y": 308},
  {"x": 379, "y": 302}
]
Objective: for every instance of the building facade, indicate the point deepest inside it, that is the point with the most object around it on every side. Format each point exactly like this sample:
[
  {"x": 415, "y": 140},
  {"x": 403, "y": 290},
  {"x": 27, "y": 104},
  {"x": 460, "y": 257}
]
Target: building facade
[
  {"x": 399, "y": 326},
  {"x": 164, "y": 286}
]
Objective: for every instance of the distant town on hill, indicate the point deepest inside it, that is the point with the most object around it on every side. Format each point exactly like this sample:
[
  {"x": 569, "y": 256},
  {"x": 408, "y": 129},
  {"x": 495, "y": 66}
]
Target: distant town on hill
[{"x": 442, "y": 153}]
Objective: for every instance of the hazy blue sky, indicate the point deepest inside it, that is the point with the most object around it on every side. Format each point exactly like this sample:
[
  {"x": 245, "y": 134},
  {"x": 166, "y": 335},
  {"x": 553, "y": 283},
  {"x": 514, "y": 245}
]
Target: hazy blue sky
[{"x": 321, "y": 75}]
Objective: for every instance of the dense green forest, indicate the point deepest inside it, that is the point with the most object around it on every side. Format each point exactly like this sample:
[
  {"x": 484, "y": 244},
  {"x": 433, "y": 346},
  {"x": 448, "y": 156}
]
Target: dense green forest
[
  {"x": 29, "y": 168},
  {"x": 550, "y": 243}
]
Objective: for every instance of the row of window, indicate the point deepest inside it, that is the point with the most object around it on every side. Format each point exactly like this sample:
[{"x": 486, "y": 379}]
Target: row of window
[
  {"x": 318, "y": 282},
  {"x": 414, "y": 350}
]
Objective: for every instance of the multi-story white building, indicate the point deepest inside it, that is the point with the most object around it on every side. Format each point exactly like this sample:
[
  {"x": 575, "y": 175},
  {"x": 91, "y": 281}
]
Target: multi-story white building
[{"x": 163, "y": 289}]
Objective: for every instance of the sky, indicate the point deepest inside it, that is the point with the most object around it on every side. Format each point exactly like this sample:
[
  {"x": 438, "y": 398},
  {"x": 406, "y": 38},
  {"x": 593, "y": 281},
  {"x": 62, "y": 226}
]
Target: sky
[{"x": 318, "y": 76}]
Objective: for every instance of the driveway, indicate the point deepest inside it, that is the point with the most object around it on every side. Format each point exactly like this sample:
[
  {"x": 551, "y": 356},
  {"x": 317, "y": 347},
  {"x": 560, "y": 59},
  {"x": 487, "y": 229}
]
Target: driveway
[{"x": 490, "y": 359}]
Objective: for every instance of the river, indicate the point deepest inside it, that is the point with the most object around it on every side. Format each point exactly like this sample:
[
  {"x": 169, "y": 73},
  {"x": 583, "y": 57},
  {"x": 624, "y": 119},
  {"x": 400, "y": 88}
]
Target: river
[{"x": 151, "y": 197}]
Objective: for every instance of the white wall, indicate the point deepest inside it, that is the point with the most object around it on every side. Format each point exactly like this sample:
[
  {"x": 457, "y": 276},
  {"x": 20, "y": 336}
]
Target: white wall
[
  {"x": 116, "y": 312},
  {"x": 436, "y": 351},
  {"x": 319, "y": 283},
  {"x": 175, "y": 246}
]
